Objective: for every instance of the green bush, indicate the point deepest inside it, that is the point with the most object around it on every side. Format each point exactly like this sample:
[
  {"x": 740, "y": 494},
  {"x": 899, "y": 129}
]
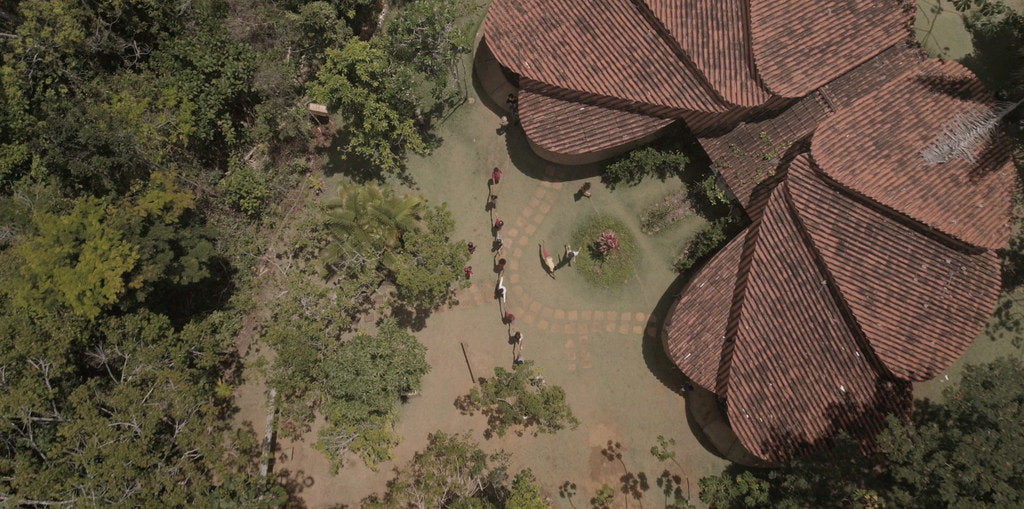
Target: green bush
[
  {"x": 608, "y": 270},
  {"x": 706, "y": 241},
  {"x": 712, "y": 192},
  {"x": 246, "y": 188},
  {"x": 636, "y": 165}
]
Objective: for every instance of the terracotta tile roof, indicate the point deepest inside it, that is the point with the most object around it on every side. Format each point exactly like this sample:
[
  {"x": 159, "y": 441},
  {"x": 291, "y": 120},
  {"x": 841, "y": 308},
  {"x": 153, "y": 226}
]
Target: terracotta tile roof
[
  {"x": 696, "y": 325},
  {"x": 569, "y": 127},
  {"x": 874, "y": 148},
  {"x": 869, "y": 76},
  {"x": 740, "y": 155},
  {"x": 918, "y": 301},
  {"x": 799, "y": 45},
  {"x": 603, "y": 47},
  {"x": 751, "y": 153},
  {"x": 797, "y": 372},
  {"x": 715, "y": 35}
]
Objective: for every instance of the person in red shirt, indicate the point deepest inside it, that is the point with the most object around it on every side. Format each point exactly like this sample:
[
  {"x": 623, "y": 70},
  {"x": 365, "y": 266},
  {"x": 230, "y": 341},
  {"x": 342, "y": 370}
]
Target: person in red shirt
[
  {"x": 498, "y": 223},
  {"x": 468, "y": 270},
  {"x": 509, "y": 318},
  {"x": 496, "y": 175}
]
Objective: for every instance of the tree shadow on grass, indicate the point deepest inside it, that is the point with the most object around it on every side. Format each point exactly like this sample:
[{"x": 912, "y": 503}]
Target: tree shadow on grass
[
  {"x": 415, "y": 317},
  {"x": 294, "y": 483}
]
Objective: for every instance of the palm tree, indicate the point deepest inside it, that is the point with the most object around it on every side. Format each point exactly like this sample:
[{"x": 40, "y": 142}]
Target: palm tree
[{"x": 370, "y": 218}]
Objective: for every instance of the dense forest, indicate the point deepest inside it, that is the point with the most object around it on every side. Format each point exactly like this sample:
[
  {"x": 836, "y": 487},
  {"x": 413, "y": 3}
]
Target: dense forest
[{"x": 148, "y": 151}]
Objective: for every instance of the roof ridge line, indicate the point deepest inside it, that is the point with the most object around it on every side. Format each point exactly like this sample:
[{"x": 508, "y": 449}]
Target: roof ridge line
[
  {"x": 750, "y": 240},
  {"x": 850, "y": 320},
  {"x": 666, "y": 37},
  {"x": 748, "y": 41},
  {"x": 599, "y": 100},
  {"x": 904, "y": 219}
]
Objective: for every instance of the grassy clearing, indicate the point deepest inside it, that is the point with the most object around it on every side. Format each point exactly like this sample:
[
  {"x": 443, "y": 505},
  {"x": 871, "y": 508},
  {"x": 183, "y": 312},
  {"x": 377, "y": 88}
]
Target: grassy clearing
[{"x": 611, "y": 269}]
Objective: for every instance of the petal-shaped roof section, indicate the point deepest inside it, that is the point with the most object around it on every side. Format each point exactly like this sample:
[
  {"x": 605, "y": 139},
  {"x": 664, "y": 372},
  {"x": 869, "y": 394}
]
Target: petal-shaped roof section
[
  {"x": 750, "y": 153},
  {"x": 797, "y": 372},
  {"x": 696, "y": 326},
  {"x": 603, "y": 47},
  {"x": 919, "y": 302},
  {"x": 716, "y": 35},
  {"x": 570, "y": 127},
  {"x": 874, "y": 148},
  {"x": 799, "y": 45}
]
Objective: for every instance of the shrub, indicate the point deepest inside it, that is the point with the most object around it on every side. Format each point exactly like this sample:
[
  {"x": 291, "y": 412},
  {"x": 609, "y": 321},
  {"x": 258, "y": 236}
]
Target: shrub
[
  {"x": 606, "y": 243},
  {"x": 704, "y": 243},
  {"x": 712, "y": 192},
  {"x": 667, "y": 211},
  {"x": 246, "y": 188},
  {"x": 606, "y": 265},
  {"x": 636, "y": 165}
]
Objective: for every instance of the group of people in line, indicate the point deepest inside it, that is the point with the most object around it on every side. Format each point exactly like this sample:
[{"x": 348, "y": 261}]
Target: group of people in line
[
  {"x": 500, "y": 263},
  {"x": 498, "y": 244}
]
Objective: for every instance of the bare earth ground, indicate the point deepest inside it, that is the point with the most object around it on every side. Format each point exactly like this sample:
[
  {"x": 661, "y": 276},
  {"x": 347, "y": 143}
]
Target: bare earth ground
[
  {"x": 599, "y": 345},
  {"x": 591, "y": 342}
]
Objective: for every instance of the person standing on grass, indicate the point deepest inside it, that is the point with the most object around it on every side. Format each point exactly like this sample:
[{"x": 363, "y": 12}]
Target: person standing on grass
[
  {"x": 570, "y": 255},
  {"x": 468, "y": 270},
  {"x": 496, "y": 176}
]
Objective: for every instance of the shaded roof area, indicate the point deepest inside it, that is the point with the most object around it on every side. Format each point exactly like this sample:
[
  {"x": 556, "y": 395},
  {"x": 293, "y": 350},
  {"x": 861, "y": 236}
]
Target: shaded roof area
[
  {"x": 800, "y": 45},
  {"x": 571, "y": 127},
  {"x": 797, "y": 373},
  {"x": 919, "y": 302},
  {"x": 874, "y": 148},
  {"x": 745, "y": 157},
  {"x": 603, "y": 47},
  {"x": 715, "y": 35}
]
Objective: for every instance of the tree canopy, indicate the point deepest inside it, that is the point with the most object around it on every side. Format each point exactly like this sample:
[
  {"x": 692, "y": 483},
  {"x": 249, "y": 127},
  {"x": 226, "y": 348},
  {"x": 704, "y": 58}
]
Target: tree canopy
[{"x": 962, "y": 452}]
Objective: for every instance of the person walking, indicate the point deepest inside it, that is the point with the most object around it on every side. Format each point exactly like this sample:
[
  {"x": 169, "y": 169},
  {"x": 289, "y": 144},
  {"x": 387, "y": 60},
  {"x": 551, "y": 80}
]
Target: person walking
[
  {"x": 498, "y": 244},
  {"x": 492, "y": 202},
  {"x": 517, "y": 344},
  {"x": 500, "y": 291},
  {"x": 501, "y": 265},
  {"x": 472, "y": 247},
  {"x": 496, "y": 176},
  {"x": 570, "y": 255},
  {"x": 509, "y": 318},
  {"x": 498, "y": 225}
]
